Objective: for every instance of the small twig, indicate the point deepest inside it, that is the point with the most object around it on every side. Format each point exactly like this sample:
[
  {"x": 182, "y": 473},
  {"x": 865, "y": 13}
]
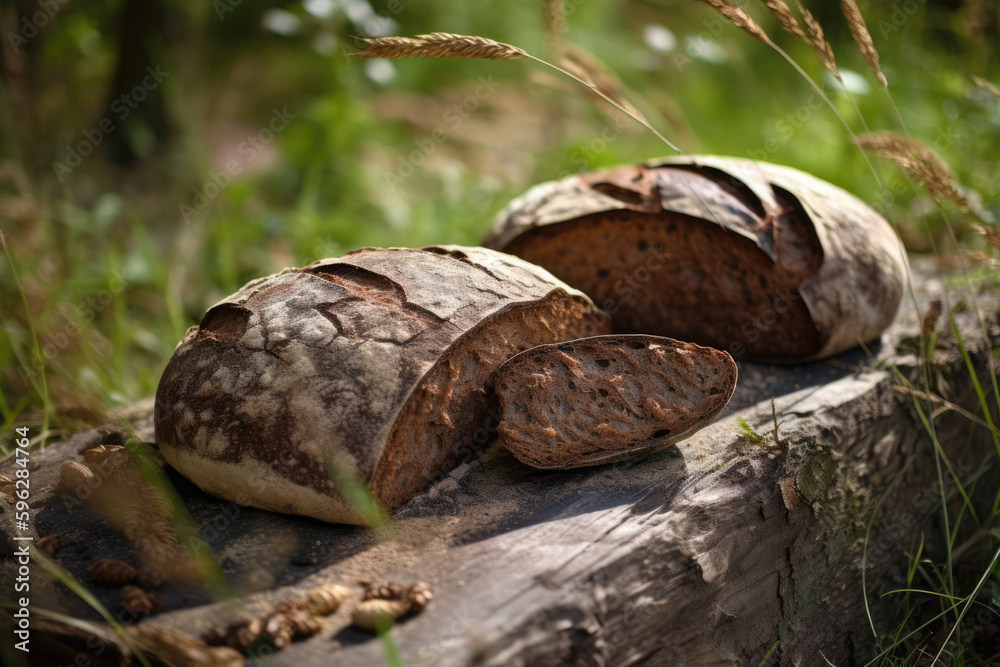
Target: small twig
[
  {"x": 946, "y": 404},
  {"x": 774, "y": 415}
]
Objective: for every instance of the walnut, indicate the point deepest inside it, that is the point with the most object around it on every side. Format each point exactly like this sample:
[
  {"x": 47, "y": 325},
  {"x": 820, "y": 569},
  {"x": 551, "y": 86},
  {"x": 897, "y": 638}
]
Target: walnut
[
  {"x": 385, "y": 591},
  {"x": 287, "y": 621},
  {"x": 383, "y": 603},
  {"x": 102, "y": 454}
]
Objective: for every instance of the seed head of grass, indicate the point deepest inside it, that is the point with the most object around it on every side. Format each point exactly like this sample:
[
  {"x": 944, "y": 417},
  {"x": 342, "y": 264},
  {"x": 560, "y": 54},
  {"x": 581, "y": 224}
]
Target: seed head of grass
[
  {"x": 818, "y": 41},
  {"x": 988, "y": 86},
  {"x": 448, "y": 45},
  {"x": 863, "y": 38},
  {"x": 788, "y": 22},
  {"x": 439, "y": 45},
  {"x": 919, "y": 160},
  {"x": 739, "y": 18}
]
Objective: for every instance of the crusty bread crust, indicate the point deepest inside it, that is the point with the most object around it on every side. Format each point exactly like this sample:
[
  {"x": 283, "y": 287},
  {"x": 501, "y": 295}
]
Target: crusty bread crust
[
  {"x": 453, "y": 412},
  {"x": 301, "y": 376},
  {"x": 764, "y": 261}
]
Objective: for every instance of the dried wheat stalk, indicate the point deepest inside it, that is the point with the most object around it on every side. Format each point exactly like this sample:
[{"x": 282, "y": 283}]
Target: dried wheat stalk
[
  {"x": 581, "y": 63},
  {"x": 584, "y": 65},
  {"x": 919, "y": 160},
  {"x": 818, "y": 41},
  {"x": 447, "y": 45},
  {"x": 440, "y": 45},
  {"x": 929, "y": 322},
  {"x": 980, "y": 257},
  {"x": 785, "y": 17},
  {"x": 991, "y": 236},
  {"x": 944, "y": 405},
  {"x": 863, "y": 38},
  {"x": 555, "y": 18},
  {"x": 740, "y": 18},
  {"x": 988, "y": 86}
]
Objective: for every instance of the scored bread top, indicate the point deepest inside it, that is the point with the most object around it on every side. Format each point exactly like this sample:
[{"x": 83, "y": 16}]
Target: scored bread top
[
  {"x": 299, "y": 376},
  {"x": 851, "y": 267}
]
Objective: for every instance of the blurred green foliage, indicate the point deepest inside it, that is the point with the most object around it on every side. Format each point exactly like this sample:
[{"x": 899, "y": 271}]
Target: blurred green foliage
[
  {"x": 157, "y": 154},
  {"x": 119, "y": 255}
]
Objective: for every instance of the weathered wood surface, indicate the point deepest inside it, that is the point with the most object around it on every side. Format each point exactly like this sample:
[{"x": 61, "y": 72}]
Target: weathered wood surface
[{"x": 707, "y": 553}]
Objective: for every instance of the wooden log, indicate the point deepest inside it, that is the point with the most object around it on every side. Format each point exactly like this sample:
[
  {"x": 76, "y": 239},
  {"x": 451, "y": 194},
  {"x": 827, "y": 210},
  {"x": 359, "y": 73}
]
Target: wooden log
[{"x": 711, "y": 552}]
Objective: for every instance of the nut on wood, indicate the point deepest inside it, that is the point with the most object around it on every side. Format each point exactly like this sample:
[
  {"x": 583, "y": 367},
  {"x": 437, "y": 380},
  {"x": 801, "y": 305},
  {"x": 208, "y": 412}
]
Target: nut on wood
[
  {"x": 112, "y": 572},
  {"x": 239, "y": 635},
  {"x": 419, "y": 595},
  {"x": 164, "y": 646},
  {"x": 326, "y": 599},
  {"x": 75, "y": 478},
  {"x": 377, "y": 613},
  {"x": 50, "y": 544},
  {"x": 138, "y": 602}
]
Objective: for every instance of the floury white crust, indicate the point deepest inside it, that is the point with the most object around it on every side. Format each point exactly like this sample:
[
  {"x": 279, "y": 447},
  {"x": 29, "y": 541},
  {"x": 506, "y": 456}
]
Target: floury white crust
[
  {"x": 371, "y": 367},
  {"x": 766, "y": 262}
]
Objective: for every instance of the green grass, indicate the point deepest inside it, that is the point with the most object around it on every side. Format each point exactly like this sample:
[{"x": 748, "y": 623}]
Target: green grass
[
  {"x": 748, "y": 431},
  {"x": 102, "y": 274}
]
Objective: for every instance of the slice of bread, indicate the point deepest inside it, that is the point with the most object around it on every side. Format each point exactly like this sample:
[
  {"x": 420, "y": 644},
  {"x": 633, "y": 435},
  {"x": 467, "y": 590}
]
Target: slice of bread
[{"x": 607, "y": 398}]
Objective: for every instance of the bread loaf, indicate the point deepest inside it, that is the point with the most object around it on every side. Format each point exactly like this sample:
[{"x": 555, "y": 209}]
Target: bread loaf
[
  {"x": 764, "y": 261},
  {"x": 608, "y": 398},
  {"x": 372, "y": 367}
]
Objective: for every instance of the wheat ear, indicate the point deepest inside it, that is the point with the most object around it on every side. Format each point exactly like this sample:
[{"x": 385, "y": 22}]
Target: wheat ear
[
  {"x": 447, "y": 45},
  {"x": 740, "y": 18},
  {"x": 785, "y": 17},
  {"x": 919, "y": 160},
  {"x": 555, "y": 18},
  {"x": 818, "y": 41},
  {"x": 863, "y": 38},
  {"x": 584, "y": 65},
  {"x": 991, "y": 236},
  {"x": 440, "y": 45},
  {"x": 988, "y": 86}
]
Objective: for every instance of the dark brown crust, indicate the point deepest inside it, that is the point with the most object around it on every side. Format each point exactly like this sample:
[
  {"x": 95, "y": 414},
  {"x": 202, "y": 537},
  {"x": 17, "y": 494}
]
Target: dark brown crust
[
  {"x": 300, "y": 376},
  {"x": 643, "y": 260},
  {"x": 607, "y": 398},
  {"x": 765, "y": 261}
]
